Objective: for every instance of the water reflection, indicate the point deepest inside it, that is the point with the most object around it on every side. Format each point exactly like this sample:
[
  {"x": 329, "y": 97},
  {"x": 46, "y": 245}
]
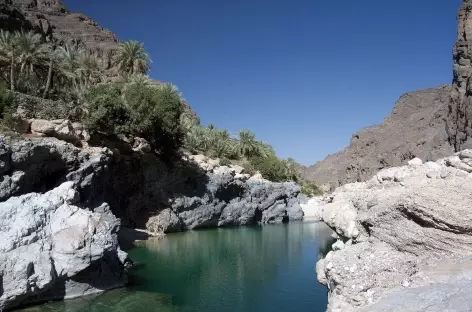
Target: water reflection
[
  {"x": 121, "y": 300},
  {"x": 268, "y": 268}
]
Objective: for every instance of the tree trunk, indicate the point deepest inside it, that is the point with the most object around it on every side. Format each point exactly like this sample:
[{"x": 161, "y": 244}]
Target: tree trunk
[
  {"x": 48, "y": 82},
  {"x": 12, "y": 73}
]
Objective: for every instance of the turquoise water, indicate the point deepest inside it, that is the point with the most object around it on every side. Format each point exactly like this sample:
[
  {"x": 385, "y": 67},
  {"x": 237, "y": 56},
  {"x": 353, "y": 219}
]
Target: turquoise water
[{"x": 264, "y": 268}]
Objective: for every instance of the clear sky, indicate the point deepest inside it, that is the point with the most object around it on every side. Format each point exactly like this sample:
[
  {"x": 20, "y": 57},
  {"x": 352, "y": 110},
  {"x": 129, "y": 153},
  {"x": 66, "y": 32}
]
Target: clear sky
[{"x": 304, "y": 75}]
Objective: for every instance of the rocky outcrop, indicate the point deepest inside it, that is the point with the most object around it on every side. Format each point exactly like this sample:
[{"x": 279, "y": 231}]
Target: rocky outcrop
[
  {"x": 429, "y": 124},
  {"x": 404, "y": 239},
  {"x": 415, "y": 128},
  {"x": 192, "y": 193},
  {"x": 51, "y": 248},
  {"x": 460, "y": 106}
]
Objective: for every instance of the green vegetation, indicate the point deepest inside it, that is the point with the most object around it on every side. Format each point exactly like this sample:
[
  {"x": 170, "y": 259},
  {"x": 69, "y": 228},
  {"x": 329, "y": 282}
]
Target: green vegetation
[
  {"x": 131, "y": 58},
  {"x": 310, "y": 188},
  {"x": 5, "y": 100},
  {"x": 112, "y": 95},
  {"x": 244, "y": 149}
]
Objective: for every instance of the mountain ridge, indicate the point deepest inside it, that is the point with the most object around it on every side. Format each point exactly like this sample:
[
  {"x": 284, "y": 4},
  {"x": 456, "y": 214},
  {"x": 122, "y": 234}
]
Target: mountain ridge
[{"x": 416, "y": 127}]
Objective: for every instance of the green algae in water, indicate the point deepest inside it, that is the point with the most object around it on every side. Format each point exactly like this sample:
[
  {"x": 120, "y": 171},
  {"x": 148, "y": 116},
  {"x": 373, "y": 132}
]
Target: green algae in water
[{"x": 266, "y": 268}]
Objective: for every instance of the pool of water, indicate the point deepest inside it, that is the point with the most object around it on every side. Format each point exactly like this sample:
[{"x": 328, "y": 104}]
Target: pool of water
[{"x": 263, "y": 268}]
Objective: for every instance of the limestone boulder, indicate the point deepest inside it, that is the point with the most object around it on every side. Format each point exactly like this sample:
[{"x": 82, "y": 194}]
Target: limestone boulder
[{"x": 52, "y": 249}]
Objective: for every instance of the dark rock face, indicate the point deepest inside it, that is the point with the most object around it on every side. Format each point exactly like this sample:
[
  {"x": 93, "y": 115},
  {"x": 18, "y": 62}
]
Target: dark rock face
[
  {"x": 459, "y": 125},
  {"x": 415, "y": 128},
  {"x": 55, "y": 22},
  {"x": 138, "y": 186},
  {"x": 227, "y": 201}
]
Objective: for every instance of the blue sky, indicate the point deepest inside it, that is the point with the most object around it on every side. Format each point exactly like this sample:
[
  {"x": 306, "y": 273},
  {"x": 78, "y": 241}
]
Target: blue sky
[{"x": 304, "y": 75}]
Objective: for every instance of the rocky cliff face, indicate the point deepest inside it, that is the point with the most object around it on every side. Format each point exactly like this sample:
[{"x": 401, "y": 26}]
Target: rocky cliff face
[
  {"x": 459, "y": 126},
  {"x": 55, "y": 22},
  {"x": 404, "y": 239},
  {"x": 415, "y": 128}
]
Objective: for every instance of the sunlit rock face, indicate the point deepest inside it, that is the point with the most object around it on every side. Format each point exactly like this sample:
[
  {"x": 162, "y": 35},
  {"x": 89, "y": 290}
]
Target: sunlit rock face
[
  {"x": 404, "y": 239},
  {"x": 50, "y": 248}
]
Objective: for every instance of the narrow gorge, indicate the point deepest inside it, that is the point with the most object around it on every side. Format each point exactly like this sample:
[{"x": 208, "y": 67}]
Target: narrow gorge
[{"x": 84, "y": 211}]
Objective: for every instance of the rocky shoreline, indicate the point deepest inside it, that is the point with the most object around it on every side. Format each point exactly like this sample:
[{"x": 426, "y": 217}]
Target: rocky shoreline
[
  {"x": 61, "y": 209},
  {"x": 404, "y": 239}
]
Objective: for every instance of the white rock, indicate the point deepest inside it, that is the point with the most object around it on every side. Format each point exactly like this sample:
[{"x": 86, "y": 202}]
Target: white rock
[
  {"x": 223, "y": 170},
  {"x": 339, "y": 245},
  {"x": 341, "y": 215},
  {"x": 313, "y": 208},
  {"x": 45, "y": 239},
  {"x": 42, "y": 127},
  {"x": 415, "y": 162},
  {"x": 257, "y": 177},
  {"x": 237, "y": 169},
  {"x": 433, "y": 166},
  {"x": 433, "y": 174}
]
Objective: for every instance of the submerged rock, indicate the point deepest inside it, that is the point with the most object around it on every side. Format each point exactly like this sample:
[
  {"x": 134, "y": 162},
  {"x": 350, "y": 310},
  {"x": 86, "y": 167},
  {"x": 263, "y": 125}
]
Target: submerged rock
[{"x": 402, "y": 242}]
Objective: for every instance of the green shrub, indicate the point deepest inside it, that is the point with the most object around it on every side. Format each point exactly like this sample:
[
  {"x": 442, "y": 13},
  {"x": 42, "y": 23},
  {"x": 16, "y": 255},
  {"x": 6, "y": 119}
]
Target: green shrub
[
  {"x": 6, "y": 100},
  {"x": 271, "y": 168},
  {"x": 310, "y": 189},
  {"x": 155, "y": 115},
  {"x": 107, "y": 112},
  {"x": 225, "y": 161}
]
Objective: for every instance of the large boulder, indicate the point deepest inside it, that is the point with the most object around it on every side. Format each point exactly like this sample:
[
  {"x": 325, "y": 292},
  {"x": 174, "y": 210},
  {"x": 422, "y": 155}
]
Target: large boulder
[
  {"x": 405, "y": 236},
  {"x": 221, "y": 199},
  {"x": 52, "y": 249},
  {"x": 62, "y": 129}
]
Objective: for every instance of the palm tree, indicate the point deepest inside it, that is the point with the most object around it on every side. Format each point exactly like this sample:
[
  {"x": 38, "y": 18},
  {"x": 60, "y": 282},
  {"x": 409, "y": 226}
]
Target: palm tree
[
  {"x": 247, "y": 145},
  {"x": 266, "y": 150},
  {"x": 220, "y": 148},
  {"x": 223, "y": 135},
  {"x": 188, "y": 121},
  {"x": 32, "y": 52},
  {"x": 292, "y": 169},
  {"x": 195, "y": 138},
  {"x": 139, "y": 80},
  {"x": 131, "y": 58},
  {"x": 217, "y": 142},
  {"x": 8, "y": 53},
  {"x": 90, "y": 67},
  {"x": 52, "y": 55},
  {"x": 69, "y": 62}
]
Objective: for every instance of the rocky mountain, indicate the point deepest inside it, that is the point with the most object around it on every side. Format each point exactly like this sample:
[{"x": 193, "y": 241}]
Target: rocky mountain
[
  {"x": 52, "y": 19},
  {"x": 428, "y": 124},
  {"x": 415, "y": 128}
]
